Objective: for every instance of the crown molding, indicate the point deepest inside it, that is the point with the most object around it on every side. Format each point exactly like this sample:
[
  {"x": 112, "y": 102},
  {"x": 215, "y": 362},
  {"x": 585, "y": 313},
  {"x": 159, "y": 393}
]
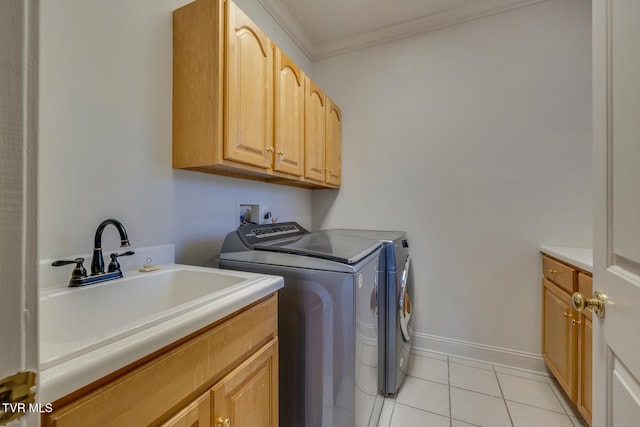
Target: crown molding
[
  {"x": 290, "y": 26},
  {"x": 410, "y": 28}
]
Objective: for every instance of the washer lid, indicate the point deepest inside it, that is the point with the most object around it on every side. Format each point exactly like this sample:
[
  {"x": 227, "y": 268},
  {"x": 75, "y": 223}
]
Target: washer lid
[{"x": 326, "y": 245}]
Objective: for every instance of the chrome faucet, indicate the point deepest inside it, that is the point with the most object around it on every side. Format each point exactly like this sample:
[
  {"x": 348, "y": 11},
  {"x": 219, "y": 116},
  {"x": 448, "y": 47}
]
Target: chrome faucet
[{"x": 97, "y": 260}]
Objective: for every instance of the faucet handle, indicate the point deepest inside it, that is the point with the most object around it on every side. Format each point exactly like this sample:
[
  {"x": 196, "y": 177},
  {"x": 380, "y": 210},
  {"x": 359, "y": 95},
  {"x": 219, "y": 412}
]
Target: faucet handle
[
  {"x": 78, "y": 272},
  {"x": 114, "y": 265}
]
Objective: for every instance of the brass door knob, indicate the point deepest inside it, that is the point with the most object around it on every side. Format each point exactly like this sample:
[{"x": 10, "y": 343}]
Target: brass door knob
[
  {"x": 223, "y": 422},
  {"x": 596, "y": 303}
]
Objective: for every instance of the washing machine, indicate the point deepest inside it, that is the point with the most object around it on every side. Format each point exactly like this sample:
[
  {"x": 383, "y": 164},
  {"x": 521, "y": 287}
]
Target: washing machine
[
  {"x": 328, "y": 323},
  {"x": 396, "y": 307}
]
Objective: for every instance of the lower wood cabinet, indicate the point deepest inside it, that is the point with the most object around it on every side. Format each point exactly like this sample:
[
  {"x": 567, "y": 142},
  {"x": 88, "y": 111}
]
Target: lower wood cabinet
[
  {"x": 247, "y": 397},
  {"x": 567, "y": 334},
  {"x": 225, "y": 375}
]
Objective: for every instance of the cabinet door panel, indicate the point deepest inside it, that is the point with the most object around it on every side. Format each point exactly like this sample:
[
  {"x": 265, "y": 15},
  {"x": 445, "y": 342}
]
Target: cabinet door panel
[
  {"x": 334, "y": 144},
  {"x": 196, "y": 414},
  {"x": 248, "y": 396},
  {"x": 314, "y": 133},
  {"x": 289, "y": 115},
  {"x": 584, "y": 368},
  {"x": 248, "y": 91},
  {"x": 558, "y": 335}
]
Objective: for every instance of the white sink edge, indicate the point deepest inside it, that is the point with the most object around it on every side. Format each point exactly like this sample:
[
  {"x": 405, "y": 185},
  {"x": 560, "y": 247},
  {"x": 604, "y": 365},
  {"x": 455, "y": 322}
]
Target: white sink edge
[
  {"x": 68, "y": 376},
  {"x": 148, "y": 321}
]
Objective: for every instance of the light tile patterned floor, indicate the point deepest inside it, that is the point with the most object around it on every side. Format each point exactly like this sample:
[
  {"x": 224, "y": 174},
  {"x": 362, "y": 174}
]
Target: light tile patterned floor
[{"x": 448, "y": 391}]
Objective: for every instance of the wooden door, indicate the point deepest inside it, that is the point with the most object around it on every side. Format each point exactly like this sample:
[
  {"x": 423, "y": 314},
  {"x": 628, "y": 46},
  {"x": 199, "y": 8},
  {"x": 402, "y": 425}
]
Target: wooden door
[
  {"x": 289, "y": 115},
  {"x": 558, "y": 335},
  {"x": 334, "y": 144},
  {"x": 18, "y": 189},
  {"x": 616, "y": 96},
  {"x": 314, "y": 132},
  {"x": 248, "y": 91},
  {"x": 248, "y": 396}
]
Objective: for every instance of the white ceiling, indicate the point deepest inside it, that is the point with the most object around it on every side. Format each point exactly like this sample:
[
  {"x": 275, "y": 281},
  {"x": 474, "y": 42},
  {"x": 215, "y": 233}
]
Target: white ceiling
[{"x": 324, "y": 28}]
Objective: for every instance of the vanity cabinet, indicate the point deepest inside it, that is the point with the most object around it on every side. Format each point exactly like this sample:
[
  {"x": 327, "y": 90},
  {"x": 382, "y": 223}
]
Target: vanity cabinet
[
  {"x": 566, "y": 334},
  {"x": 239, "y": 102},
  {"x": 227, "y": 371}
]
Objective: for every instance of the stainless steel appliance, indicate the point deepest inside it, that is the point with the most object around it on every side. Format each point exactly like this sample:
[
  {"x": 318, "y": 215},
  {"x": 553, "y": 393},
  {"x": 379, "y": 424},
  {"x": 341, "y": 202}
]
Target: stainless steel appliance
[
  {"x": 328, "y": 319},
  {"x": 396, "y": 306}
]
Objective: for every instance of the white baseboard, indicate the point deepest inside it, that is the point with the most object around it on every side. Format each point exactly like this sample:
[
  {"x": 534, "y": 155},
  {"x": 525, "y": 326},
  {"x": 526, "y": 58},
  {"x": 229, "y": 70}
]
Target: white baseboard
[{"x": 481, "y": 352}]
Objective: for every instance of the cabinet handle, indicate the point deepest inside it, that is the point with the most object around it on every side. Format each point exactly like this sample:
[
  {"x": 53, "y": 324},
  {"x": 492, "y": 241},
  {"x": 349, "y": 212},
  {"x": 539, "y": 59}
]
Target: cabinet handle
[
  {"x": 271, "y": 149},
  {"x": 566, "y": 315},
  {"x": 575, "y": 322},
  {"x": 552, "y": 271},
  {"x": 330, "y": 171},
  {"x": 223, "y": 423}
]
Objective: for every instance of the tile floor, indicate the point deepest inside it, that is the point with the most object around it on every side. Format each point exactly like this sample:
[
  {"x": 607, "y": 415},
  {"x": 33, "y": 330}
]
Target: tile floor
[{"x": 448, "y": 391}]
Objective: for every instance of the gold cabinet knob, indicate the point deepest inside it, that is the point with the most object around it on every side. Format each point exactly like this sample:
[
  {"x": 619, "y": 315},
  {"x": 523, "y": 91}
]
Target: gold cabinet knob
[
  {"x": 280, "y": 153},
  {"x": 223, "y": 422},
  {"x": 271, "y": 149},
  {"x": 596, "y": 303},
  {"x": 552, "y": 271},
  {"x": 575, "y": 322}
]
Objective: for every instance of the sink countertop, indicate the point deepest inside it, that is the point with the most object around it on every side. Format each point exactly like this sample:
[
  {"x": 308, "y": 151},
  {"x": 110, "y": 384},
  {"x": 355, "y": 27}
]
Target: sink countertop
[
  {"x": 71, "y": 375},
  {"x": 579, "y": 257}
]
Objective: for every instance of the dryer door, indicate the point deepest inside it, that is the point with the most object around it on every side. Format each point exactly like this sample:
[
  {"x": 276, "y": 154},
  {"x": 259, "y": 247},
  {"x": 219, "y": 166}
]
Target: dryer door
[{"x": 405, "y": 305}]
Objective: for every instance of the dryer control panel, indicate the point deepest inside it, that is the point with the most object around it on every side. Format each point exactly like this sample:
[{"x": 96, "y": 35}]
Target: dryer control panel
[{"x": 253, "y": 234}]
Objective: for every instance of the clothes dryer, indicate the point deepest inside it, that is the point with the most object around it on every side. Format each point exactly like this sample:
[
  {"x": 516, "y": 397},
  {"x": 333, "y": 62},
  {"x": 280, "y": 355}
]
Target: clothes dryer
[{"x": 396, "y": 308}]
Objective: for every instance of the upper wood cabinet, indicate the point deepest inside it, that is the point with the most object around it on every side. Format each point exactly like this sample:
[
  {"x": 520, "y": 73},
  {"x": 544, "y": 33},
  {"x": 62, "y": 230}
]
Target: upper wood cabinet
[
  {"x": 334, "y": 145},
  {"x": 314, "y": 133},
  {"x": 239, "y": 103},
  {"x": 323, "y": 137},
  {"x": 289, "y": 116},
  {"x": 248, "y": 95}
]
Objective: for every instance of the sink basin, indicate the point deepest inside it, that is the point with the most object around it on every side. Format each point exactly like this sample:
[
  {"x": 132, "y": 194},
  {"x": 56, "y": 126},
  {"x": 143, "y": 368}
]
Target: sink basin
[{"x": 75, "y": 321}]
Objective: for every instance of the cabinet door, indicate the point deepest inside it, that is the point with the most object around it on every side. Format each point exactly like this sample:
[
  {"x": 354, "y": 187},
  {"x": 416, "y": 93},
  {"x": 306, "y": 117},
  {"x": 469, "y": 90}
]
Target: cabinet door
[
  {"x": 559, "y": 335},
  {"x": 248, "y": 396},
  {"x": 248, "y": 91},
  {"x": 289, "y": 115},
  {"x": 585, "y": 333},
  {"x": 314, "y": 132},
  {"x": 196, "y": 414},
  {"x": 334, "y": 144}
]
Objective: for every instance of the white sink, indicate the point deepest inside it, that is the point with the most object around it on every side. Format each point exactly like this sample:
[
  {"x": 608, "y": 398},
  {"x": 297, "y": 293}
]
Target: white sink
[{"x": 101, "y": 326}]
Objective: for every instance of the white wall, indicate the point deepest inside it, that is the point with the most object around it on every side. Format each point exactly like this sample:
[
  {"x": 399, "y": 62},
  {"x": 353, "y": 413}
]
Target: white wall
[
  {"x": 482, "y": 131},
  {"x": 476, "y": 140},
  {"x": 105, "y": 135}
]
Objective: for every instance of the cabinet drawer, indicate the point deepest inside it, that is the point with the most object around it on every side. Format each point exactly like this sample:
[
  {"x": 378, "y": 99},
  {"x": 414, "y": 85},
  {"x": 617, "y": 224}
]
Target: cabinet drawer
[{"x": 559, "y": 273}]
